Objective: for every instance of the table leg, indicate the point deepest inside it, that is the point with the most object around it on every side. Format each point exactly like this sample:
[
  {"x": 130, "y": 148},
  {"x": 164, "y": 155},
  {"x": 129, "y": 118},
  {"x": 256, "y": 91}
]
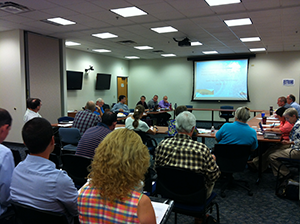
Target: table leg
[{"x": 212, "y": 118}]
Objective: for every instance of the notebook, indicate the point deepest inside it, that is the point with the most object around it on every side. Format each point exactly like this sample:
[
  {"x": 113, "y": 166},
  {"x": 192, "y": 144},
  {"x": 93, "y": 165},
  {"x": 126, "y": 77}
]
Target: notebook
[{"x": 269, "y": 135}]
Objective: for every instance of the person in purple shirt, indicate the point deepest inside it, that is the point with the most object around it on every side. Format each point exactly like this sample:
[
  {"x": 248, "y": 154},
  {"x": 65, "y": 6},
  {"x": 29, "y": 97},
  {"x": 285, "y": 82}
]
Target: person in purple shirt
[{"x": 164, "y": 103}]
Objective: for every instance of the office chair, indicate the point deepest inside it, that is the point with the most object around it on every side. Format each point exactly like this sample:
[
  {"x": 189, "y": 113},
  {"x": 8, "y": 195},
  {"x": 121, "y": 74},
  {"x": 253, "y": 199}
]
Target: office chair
[
  {"x": 149, "y": 142},
  {"x": 65, "y": 119},
  {"x": 189, "y": 107},
  {"x": 232, "y": 159},
  {"x": 149, "y": 182},
  {"x": 26, "y": 214},
  {"x": 77, "y": 168},
  {"x": 17, "y": 156},
  {"x": 69, "y": 138},
  {"x": 226, "y": 114},
  {"x": 188, "y": 191},
  {"x": 55, "y": 159}
]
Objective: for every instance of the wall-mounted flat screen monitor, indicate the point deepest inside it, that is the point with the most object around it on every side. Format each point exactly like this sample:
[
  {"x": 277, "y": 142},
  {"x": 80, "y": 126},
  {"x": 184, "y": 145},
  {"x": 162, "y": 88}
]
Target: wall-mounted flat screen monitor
[
  {"x": 221, "y": 80},
  {"x": 103, "y": 81},
  {"x": 74, "y": 80}
]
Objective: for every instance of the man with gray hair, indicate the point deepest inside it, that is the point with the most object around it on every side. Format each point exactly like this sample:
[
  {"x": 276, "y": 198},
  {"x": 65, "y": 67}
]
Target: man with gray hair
[
  {"x": 183, "y": 152},
  {"x": 99, "y": 107},
  {"x": 86, "y": 118}
]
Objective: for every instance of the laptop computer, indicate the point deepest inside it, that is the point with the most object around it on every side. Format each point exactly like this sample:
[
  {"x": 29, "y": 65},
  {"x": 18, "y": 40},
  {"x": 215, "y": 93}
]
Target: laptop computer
[{"x": 269, "y": 135}]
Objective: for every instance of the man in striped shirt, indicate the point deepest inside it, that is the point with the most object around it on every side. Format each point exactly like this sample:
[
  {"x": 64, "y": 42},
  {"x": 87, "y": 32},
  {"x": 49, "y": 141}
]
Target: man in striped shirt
[{"x": 94, "y": 135}]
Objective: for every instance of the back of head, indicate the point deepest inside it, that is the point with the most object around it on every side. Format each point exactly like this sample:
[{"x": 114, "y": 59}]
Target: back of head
[
  {"x": 291, "y": 112},
  {"x": 292, "y": 97},
  {"x": 185, "y": 122},
  {"x": 35, "y": 102},
  {"x": 5, "y": 117},
  {"x": 120, "y": 162},
  {"x": 280, "y": 111},
  {"x": 90, "y": 105},
  {"x": 109, "y": 118},
  {"x": 37, "y": 134},
  {"x": 242, "y": 114},
  {"x": 139, "y": 109},
  {"x": 99, "y": 100},
  {"x": 180, "y": 109},
  {"x": 121, "y": 97}
]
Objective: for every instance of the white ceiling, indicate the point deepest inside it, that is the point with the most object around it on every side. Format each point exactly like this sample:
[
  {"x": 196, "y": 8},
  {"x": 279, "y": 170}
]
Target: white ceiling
[{"x": 276, "y": 22}]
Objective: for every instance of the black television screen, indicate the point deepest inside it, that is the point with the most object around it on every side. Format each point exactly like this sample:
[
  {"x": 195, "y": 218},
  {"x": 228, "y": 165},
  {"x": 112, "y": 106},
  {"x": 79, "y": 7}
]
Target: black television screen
[
  {"x": 221, "y": 80},
  {"x": 103, "y": 81},
  {"x": 74, "y": 80}
]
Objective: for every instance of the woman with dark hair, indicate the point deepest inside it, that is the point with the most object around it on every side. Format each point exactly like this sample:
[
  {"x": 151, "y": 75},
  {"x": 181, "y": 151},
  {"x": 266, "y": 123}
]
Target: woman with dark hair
[
  {"x": 143, "y": 103},
  {"x": 135, "y": 123}
]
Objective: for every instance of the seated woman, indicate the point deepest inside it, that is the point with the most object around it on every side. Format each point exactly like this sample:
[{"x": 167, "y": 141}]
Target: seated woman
[
  {"x": 135, "y": 123},
  {"x": 143, "y": 103},
  {"x": 284, "y": 129},
  {"x": 293, "y": 144},
  {"x": 119, "y": 165},
  {"x": 238, "y": 132},
  {"x": 172, "y": 127}
]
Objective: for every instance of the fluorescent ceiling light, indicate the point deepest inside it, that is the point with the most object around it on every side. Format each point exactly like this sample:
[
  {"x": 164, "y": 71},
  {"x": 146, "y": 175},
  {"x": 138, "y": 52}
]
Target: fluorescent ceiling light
[
  {"x": 209, "y": 52},
  {"x": 71, "y": 43},
  {"x": 250, "y": 39},
  {"x": 61, "y": 21},
  {"x": 196, "y": 43},
  {"x": 143, "y": 47},
  {"x": 238, "y": 22},
  {"x": 165, "y": 29},
  {"x": 104, "y": 35},
  {"x": 221, "y": 2},
  {"x": 129, "y": 11},
  {"x": 168, "y": 55},
  {"x": 132, "y": 57},
  {"x": 101, "y": 50},
  {"x": 257, "y": 49}
]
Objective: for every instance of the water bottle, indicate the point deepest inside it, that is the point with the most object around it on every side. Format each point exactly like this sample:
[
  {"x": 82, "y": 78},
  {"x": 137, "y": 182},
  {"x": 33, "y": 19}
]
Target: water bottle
[
  {"x": 271, "y": 110},
  {"x": 212, "y": 130},
  {"x": 175, "y": 106},
  {"x": 170, "y": 106}
]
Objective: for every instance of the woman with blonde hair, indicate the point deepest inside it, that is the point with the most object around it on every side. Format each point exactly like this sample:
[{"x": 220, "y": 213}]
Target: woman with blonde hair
[
  {"x": 135, "y": 123},
  {"x": 119, "y": 165}
]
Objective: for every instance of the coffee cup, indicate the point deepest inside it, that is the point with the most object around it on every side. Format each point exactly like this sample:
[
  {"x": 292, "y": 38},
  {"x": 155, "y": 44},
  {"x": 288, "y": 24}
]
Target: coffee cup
[{"x": 262, "y": 114}]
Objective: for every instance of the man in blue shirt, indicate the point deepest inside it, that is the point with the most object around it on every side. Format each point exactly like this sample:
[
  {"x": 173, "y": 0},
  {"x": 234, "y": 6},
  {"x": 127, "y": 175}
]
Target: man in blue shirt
[
  {"x": 7, "y": 164},
  {"x": 35, "y": 181},
  {"x": 99, "y": 107},
  {"x": 121, "y": 106},
  {"x": 291, "y": 101}
]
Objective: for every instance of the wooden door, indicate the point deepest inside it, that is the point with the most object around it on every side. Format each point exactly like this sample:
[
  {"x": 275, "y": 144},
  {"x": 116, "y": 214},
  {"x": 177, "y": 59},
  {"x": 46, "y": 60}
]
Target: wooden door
[{"x": 122, "y": 88}]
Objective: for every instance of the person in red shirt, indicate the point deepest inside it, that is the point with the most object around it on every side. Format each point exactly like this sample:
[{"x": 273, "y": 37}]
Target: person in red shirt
[{"x": 284, "y": 128}]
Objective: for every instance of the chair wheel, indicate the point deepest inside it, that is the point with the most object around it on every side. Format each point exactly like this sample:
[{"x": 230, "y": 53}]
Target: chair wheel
[{"x": 250, "y": 193}]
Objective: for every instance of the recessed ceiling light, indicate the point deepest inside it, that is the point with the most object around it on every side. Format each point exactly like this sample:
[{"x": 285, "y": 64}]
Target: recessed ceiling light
[
  {"x": 165, "y": 29},
  {"x": 132, "y": 57},
  {"x": 168, "y": 55},
  {"x": 71, "y": 43},
  {"x": 196, "y": 43},
  {"x": 143, "y": 47},
  {"x": 221, "y": 2},
  {"x": 250, "y": 39},
  {"x": 257, "y": 49},
  {"x": 101, "y": 50},
  {"x": 61, "y": 21},
  {"x": 238, "y": 22},
  {"x": 129, "y": 11},
  {"x": 104, "y": 35},
  {"x": 209, "y": 52}
]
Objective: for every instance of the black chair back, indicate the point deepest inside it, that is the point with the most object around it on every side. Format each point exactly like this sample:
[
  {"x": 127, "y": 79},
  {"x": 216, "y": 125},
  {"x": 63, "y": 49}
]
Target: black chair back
[
  {"x": 181, "y": 185},
  {"x": 76, "y": 167},
  {"x": 226, "y": 114},
  {"x": 232, "y": 158},
  {"x": 26, "y": 214},
  {"x": 17, "y": 156},
  {"x": 65, "y": 119}
]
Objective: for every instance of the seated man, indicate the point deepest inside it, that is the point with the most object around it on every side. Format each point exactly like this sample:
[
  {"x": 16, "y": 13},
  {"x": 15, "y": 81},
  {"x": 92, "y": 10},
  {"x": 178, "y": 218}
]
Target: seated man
[
  {"x": 164, "y": 117},
  {"x": 94, "y": 135},
  {"x": 164, "y": 103},
  {"x": 35, "y": 181},
  {"x": 99, "y": 107},
  {"x": 183, "y": 152},
  {"x": 238, "y": 132},
  {"x": 7, "y": 163},
  {"x": 86, "y": 118},
  {"x": 121, "y": 106},
  {"x": 282, "y": 102},
  {"x": 291, "y": 101},
  {"x": 293, "y": 151},
  {"x": 152, "y": 104},
  {"x": 33, "y": 107}
]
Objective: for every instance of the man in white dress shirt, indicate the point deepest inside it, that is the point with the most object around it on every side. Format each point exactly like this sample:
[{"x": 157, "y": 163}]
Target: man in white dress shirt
[{"x": 33, "y": 107}]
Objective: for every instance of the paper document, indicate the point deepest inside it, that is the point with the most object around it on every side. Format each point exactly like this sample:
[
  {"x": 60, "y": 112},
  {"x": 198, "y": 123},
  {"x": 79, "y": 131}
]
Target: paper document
[
  {"x": 65, "y": 125},
  {"x": 203, "y": 131},
  {"x": 160, "y": 210}
]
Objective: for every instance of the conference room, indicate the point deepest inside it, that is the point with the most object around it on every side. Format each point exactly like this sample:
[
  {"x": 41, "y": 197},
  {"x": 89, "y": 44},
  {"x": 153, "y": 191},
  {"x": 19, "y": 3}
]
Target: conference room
[{"x": 34, "y": 59}]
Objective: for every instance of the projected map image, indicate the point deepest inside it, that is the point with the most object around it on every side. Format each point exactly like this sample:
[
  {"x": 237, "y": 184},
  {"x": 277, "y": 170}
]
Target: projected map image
[{"x": 226, "y": 79}]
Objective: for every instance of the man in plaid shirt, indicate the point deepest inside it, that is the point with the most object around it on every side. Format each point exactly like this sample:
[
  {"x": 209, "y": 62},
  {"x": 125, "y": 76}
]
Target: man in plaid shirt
[
  {"x": 183, "y": 152},
  {"x": 86, "y": 118}
]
